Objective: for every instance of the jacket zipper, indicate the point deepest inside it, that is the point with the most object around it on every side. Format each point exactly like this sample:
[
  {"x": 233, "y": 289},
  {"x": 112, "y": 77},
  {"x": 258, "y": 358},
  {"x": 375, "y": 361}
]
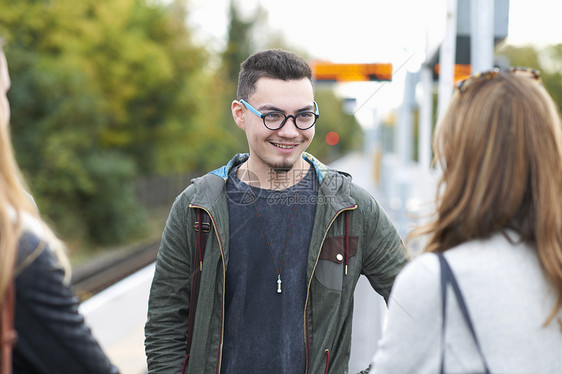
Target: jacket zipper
[
  {"x": 307, "y": 347},
  {"x": 219, "y": 356}
]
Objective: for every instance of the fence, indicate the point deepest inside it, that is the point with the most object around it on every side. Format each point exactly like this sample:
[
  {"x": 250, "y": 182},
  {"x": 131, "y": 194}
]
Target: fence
[{"x": 160, "y": 191}]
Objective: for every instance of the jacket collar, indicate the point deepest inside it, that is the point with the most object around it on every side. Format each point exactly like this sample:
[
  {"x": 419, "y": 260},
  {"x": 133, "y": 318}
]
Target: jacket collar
[
  {"x": 334, "y": 185},
  {"x": 322, "y": 171}
]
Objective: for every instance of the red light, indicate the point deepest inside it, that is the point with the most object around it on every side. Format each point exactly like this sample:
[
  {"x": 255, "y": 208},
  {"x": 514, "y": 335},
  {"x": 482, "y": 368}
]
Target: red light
[{"x": 332, "y": 138}]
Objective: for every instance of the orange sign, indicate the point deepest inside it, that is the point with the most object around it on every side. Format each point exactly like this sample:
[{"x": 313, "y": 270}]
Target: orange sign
[
  {"x": 461, "y": 71},
  {"x": 323, "y": 71}
]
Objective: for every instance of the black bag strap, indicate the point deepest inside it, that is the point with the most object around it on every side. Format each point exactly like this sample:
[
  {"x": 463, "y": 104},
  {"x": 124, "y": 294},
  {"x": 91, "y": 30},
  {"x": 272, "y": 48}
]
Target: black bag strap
[
  {"x": 202, "y": 227},
  {"x": 447, "y": 277}
]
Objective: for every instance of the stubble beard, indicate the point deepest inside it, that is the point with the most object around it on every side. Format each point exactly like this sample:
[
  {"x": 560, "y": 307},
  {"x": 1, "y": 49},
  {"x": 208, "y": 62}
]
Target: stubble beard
[{"x": 284, "y": 166}]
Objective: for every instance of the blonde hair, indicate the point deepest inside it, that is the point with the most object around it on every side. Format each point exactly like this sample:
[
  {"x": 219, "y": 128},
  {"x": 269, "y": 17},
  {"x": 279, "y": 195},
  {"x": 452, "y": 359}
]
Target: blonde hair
[
  {"x": 18, "y": 213},
  {"x": 500, "y": 148}
]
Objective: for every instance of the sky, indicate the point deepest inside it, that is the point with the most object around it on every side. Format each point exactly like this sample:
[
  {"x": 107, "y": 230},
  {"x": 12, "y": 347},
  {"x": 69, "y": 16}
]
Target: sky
[
  {"x": 368, "y": 31},
  {"x": 358, "y": 30}
]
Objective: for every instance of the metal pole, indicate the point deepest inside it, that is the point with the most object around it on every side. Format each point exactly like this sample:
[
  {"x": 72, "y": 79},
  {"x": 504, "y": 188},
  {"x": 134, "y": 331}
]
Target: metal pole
[
  {"x": 447, "y": 58},
  {"x": 426, "y": 115},
  {"x": 404, "y": 138},
  {"x": 482, "y": 35},
  {"x": 426, "y": 112}
]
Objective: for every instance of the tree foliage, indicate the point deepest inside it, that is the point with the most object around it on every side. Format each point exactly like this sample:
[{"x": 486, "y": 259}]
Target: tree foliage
[
  {"x": 547, "y": 59},
  {"x": 101, "y": 91},
  {"x": 239, "y": 46}
]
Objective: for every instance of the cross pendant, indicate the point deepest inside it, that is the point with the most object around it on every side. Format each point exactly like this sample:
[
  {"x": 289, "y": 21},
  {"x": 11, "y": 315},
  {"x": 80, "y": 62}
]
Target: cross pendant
[{"x": 279, "y": 283}]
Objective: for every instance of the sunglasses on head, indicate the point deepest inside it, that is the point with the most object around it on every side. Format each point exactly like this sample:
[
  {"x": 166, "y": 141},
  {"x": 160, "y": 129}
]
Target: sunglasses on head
[{"x": 490, "y": 74}]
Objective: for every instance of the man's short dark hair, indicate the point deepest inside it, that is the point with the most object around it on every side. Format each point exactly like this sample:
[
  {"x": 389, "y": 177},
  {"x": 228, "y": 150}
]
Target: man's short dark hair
[{"x": 271, "y": 63}]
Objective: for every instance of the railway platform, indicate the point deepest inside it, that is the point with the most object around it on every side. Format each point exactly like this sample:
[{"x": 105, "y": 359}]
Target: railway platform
[{"x": 117, "y": 315}]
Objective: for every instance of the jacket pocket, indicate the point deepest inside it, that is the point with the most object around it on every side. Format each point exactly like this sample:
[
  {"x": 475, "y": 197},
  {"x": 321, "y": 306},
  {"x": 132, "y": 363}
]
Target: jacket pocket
[{"x": 336, "y": 255}]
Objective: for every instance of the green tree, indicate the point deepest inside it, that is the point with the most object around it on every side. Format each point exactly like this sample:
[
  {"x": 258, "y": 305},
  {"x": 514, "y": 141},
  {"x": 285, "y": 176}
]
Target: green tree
[
  {"x": 552, "y": 72},
  {"x": 547, "y": 59},
  {"x": 239, "y": 46},
  {"x": 520, "y": 56},
  {"x": 101, "y": 91}
]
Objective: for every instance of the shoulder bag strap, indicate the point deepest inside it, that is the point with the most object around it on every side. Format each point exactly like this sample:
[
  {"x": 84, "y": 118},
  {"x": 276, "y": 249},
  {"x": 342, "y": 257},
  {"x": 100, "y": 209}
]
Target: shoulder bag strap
[
  {"x": 8, "y": 334},
  {"x": 447, "y": 277},
  {"x": 443, "y": 312},
  {"x": 202, "y": 228}
]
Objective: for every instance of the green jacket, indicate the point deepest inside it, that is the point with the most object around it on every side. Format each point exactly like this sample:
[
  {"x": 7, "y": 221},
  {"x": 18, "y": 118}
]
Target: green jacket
[{"x": 374, "y": 249}]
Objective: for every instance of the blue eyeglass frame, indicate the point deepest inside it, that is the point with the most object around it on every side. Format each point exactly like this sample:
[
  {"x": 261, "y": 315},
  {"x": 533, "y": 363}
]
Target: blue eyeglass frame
[{"x": 262, "y": 115}]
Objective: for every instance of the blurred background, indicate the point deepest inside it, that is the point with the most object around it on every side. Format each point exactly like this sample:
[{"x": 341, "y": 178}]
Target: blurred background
[{"x": 117, "y": 104}]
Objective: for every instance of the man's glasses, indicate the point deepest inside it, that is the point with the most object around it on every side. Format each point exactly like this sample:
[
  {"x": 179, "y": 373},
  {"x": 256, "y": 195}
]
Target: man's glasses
[
  {"x": 275, "y": 120},
  {"x": 531, "y": 73}
]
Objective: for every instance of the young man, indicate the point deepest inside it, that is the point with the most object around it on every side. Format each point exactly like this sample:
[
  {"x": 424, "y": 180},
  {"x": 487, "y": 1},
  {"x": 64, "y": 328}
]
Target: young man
[{"x": 288, "y": 240}]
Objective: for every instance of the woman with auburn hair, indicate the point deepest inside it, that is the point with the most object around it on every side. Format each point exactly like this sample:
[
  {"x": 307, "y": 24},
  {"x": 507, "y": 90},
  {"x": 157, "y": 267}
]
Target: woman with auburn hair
[
  {"x": 498, "y": 225},
  {"x": 51, "y": 334}
]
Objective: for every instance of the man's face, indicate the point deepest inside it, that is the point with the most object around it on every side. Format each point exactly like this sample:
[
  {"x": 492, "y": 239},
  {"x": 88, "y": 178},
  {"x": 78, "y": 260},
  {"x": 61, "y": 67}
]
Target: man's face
[
  {"x": 276, "y": 149},
  {"x": 4, "y": 87}
]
